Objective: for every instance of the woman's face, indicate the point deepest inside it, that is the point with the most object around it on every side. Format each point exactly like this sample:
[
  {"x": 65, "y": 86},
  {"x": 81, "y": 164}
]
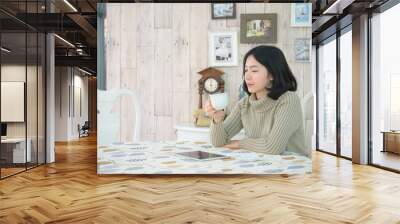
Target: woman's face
[{"x": 256, "y": 75}]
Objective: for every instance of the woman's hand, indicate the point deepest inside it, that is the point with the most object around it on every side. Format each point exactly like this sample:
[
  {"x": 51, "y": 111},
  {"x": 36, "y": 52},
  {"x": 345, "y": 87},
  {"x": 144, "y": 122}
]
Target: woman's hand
[
  {"x": 216, "y": 115},
  {"x": 233, "y": 145}
]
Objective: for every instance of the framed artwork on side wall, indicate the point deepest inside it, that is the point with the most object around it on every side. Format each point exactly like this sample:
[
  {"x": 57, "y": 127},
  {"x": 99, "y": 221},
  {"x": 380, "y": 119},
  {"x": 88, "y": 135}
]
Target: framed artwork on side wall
[
  {"x": 302, "y": 50},
  {"x": 223, "y": 49},
  {"x": 258, "y": 28},
  {"x": 223, "y": 10},
  {"x": 301, "y": 14}
]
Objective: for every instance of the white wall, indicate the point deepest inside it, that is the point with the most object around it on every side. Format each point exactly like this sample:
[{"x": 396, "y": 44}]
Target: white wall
[
  {"x": 67, "y": 115},
  {"x": 61, "y": 103},
  {"x": 80, "y": 83}
]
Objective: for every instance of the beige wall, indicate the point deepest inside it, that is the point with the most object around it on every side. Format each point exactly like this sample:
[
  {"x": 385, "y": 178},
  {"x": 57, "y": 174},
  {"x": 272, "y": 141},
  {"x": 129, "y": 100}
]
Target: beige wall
[
  {"x": 156, "y": 50},
  {"x": 70, "y": 84}
]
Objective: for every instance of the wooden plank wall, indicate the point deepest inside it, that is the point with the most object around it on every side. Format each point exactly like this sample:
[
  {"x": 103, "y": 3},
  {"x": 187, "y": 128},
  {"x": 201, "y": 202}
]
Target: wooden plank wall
[{"x": 156, "y": 50}]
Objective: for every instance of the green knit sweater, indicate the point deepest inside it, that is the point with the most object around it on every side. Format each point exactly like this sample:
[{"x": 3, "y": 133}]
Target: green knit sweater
[{"x": 271, "y": 126}]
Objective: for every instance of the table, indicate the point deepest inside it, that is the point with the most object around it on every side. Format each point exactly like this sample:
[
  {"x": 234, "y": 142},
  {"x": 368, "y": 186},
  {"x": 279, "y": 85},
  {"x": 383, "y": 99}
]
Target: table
[
  {"x": 190, "y": 132},
  {"x": 160, "y": 158}
]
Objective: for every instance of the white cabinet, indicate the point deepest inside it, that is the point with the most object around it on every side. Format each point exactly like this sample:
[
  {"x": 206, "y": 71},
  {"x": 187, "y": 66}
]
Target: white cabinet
[{"x": 189, "y": 132}]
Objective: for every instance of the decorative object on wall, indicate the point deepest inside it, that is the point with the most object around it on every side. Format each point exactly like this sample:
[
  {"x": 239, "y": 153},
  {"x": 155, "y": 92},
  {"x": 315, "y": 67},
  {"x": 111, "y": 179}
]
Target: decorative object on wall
[
  {"x": 302, "y": 49},
  {"x": 223, "y": 49},
  {"x": 210, "y": 82},
  {"x": 301, "y": 14},
  {"x": 258, "y": 28},
  {"x": 223, "y": 10},
  {"x": 13, "y": 101}
]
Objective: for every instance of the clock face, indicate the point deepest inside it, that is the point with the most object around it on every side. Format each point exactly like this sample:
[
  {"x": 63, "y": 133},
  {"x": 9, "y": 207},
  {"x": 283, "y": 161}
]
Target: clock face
[{"x": 211, "y": 85}]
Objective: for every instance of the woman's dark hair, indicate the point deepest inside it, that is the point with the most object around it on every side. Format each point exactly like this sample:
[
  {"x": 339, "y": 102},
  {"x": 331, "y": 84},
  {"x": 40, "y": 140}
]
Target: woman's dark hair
[{"x": 274, "y": 60}]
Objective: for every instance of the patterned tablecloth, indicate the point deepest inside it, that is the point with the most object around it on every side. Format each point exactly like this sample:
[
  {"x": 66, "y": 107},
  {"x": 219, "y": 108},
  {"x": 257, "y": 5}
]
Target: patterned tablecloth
[{"x": 160, "y": 158}]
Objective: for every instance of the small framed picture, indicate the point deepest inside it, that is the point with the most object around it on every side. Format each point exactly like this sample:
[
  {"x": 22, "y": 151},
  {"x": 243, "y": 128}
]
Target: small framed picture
[
  {"x": 301, "y": 14},
  {"x": 223, "y": 49},
  {"x": 223, "y": 10},
  {"x": 302, "y": 50},
  {"x": 258, "y": 28}
]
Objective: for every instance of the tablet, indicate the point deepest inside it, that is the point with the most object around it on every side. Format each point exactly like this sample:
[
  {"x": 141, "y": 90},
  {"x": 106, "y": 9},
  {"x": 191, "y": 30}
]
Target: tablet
[{"x": 201, "y": 155}]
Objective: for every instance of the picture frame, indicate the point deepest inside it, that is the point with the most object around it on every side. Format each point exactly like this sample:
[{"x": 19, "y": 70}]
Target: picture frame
[
  {"x": 223, "y": 10},
  {"x": 302, "y": 49},
  {"x": 223, "y": 49},
  {"x": 258, "y": 28},
  {"x": 301, "y": 14}
]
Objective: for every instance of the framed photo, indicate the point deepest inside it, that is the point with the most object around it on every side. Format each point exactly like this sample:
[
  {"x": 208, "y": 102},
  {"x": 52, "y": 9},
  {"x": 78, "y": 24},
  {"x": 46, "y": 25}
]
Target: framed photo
[
  {"x": 301, "y": 14},
  {"x": 223, "y": 49},
  {"x": 223, "y": 10},
  {"x": 258, "y": 28},
  {"x": 302, "y": 50}
]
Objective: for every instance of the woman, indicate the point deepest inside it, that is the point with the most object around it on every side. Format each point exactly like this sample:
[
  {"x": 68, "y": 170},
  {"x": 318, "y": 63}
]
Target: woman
[{"x": 271, "y": 113}]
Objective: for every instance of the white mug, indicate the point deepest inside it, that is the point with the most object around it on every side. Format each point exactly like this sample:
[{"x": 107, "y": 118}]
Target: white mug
[{"x": 219, "y": 100}]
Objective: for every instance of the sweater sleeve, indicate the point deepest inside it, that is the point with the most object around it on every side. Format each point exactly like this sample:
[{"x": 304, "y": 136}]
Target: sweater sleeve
[
  {"x": 222, "y": 132},
  {"x": 287, "y": 119}
]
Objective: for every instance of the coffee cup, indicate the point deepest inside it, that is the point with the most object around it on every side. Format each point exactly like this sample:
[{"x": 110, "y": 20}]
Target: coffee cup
[{"x": 219, "y": 100}]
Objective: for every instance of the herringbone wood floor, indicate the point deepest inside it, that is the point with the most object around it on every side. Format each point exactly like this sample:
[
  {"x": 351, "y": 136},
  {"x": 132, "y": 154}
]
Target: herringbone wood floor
[{"x": 70, "y": 191}]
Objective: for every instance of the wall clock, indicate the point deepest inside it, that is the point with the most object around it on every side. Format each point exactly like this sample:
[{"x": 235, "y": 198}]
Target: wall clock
[{"x": 210, "y": 82}]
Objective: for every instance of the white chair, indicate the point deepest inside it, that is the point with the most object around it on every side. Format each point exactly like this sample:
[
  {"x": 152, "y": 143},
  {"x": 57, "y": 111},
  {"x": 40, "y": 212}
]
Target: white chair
[{"x": 108, "y": 122}]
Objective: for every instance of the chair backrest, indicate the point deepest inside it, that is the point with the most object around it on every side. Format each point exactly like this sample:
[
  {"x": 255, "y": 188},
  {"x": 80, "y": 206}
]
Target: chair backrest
[
  {"x": 308, "y": 126},
  {"x": 86, "y": 125},
  {"x": 304, "y": 102},
  {"x": 109, "y": 122}
]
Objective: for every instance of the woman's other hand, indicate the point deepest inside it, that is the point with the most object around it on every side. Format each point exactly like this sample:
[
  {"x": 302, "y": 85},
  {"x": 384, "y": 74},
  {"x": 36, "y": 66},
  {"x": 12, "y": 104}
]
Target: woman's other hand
[{"x": 233, "y": 145}]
